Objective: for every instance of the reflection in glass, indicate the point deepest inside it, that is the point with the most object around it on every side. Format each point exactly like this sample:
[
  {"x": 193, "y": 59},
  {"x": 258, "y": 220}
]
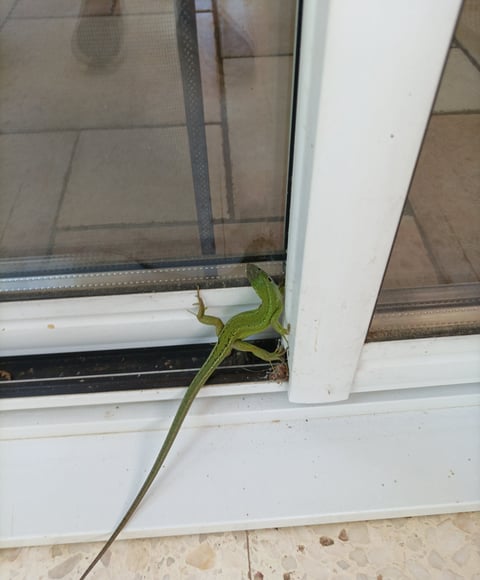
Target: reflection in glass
[
  {"x": 432, "y": 283},
  {"x": 140, "y": 135}
]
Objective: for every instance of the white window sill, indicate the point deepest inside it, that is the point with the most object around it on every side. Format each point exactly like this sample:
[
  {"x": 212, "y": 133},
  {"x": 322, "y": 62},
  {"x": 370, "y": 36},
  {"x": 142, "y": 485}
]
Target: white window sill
[{"x": 241, "y": 462}]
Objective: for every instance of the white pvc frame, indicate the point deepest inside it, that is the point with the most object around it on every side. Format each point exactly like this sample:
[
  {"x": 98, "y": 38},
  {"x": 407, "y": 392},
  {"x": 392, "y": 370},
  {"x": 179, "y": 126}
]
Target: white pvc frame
[
  {"x": 342, "y": 224},
  {"x": 366, "y": 88},
  {"x": 358, "y": 133}
]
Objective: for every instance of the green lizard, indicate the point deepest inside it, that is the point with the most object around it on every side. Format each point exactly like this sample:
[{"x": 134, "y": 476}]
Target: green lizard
[{"x": 230, "y": 336}]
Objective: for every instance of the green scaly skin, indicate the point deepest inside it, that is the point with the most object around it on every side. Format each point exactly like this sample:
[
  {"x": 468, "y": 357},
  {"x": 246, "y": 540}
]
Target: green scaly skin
[{"x": 230, "y": 336}]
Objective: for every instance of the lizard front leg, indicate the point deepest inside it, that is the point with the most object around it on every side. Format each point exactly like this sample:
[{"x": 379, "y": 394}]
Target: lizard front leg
[{"x": 205, "y": 318}]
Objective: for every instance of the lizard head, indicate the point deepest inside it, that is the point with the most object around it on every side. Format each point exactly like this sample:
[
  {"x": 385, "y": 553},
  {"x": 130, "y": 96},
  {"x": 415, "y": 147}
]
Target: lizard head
[
  {"x": 254, "y": 273},
  {"x": 259, "y": 280}
]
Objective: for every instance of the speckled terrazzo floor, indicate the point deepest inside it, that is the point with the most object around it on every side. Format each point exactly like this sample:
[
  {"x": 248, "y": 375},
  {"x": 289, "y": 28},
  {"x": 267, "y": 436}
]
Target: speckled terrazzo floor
[{"x": 445, "y": 547}]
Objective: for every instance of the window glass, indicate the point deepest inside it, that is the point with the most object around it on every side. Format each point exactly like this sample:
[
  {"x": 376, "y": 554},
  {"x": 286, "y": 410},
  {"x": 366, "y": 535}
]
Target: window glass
[
  {"x": 140, "y": 138},
  {"x": 432, "y": 283}
]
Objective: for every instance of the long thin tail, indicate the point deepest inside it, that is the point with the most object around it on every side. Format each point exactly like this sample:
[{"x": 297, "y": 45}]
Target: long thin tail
[{"x": 180, "y": 415}]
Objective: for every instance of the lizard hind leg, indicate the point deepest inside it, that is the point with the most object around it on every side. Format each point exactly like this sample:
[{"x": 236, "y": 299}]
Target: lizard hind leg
[
  {"x": 205, "y": 318},
  {"x": 261, "y": 353}
]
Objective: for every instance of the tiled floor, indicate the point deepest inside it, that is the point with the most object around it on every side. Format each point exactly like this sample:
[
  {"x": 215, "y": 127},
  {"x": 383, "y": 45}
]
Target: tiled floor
[
  {"x": 443, "y": 547},
  {"x": 104, "y": 146},
  {"x": 122, "y": 185},
  {"x": 438, "y": 240}
]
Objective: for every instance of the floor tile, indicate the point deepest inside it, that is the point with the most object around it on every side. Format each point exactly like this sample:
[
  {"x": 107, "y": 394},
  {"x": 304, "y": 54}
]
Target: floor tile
[
  {"x": 460, "y": 85},
  {"x": 100, "y": 216},
  {"x": 410, "y": 264},
  {"x": 261, "y": 28},
  {"x": 244, "y": 238},
  {"x": 137, "y": 90},
  {"x": 445, "y": 195},
  {"x": 132, "y": 245},
  {"x": 97, "y": 7},
  {"x": 441, "y": 547},
  {"x": 136, "y": 176},
  {"x": 130, "y": 176},
  {"x": 209, "y": 66},
  {"x": 46, "y": 8},
  {"x": 145, "y": 6},
  {"x": 5, "y": 7},
  {"x": 206, "y": 557},
  {"x": 468, "y": 28},
  {"x": 49, "y": 82},
  {"x": 34, "y": 168},
  {"x": 258, "y": 112},
  {"x": 216, "y": 166},
  {"x": 63, "y": 8}
]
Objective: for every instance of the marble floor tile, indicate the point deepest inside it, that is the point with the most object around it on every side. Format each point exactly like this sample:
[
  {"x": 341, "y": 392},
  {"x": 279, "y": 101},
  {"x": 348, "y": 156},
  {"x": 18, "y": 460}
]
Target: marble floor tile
[
  {"x": 443, "y": 547},
  {"x": 206, "y": 557},
  {"x": 424, "y": 548}
]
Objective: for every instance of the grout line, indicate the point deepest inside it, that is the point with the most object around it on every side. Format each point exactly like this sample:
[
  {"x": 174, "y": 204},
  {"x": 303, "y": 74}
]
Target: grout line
[
  {"x": 11, "y": 212},
  {"x": 249, "y": 560},
  {"x": 442, "y": 277},
  {"x": 9, "y": 15},
  {"x": 105, "y": 128},
  {"x": 119, "y": 225},
  {"x": 461, "y": 246},
  {"x": 467, "y": 54},
  {"x": 446, "y": 113},
  {"x": 66, "y": 179},
  {"x": 256, "y": 56},
  {"x": 79, "y": 16},
  {"x": 175, "y": 223}
]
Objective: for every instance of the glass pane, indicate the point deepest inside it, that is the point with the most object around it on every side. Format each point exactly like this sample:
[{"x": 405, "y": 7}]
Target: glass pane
[
  {"x": 138, "y": 137},
  {"x": 432, "y": 283}
]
